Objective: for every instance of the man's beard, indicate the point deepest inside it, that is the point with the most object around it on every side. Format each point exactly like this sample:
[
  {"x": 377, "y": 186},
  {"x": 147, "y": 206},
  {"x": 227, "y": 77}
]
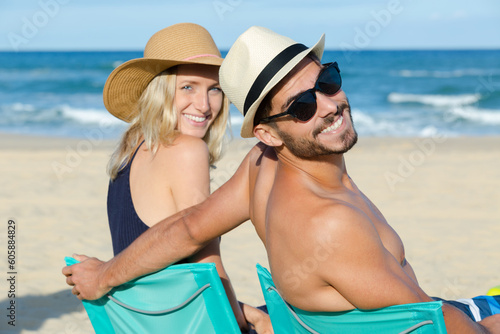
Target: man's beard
[{"x": 306, "y": 148}]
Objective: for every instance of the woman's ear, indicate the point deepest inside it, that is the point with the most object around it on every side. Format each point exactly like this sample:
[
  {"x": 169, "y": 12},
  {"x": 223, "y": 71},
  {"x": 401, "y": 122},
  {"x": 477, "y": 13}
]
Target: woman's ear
[{"x": 267, "y": 135}]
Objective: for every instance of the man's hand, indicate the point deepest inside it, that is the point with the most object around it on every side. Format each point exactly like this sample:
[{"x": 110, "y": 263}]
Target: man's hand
[{"x": 86, "y": 277}]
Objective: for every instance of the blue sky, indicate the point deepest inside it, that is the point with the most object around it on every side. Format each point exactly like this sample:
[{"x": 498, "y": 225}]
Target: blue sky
[{"x": 357, "y": 24}]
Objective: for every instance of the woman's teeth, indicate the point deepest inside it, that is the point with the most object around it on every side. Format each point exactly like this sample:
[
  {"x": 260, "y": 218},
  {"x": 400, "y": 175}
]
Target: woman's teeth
[
  {"x": 195, "y": 118},
  {"x": 334, "y": 126}
]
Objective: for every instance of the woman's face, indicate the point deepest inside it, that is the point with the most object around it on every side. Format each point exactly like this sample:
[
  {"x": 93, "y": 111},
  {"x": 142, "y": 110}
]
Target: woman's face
[{"x": 198, "y": 98}]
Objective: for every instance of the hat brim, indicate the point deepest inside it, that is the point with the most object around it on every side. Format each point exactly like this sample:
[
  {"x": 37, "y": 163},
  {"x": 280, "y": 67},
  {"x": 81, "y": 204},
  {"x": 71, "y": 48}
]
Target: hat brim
[
  {"x": 247, "y": 126},
  {"x": 126, "y": 83}
]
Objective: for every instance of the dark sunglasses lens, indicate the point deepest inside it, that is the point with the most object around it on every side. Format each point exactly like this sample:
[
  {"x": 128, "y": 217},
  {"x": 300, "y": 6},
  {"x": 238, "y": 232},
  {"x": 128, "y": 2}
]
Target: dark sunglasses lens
[
  {"x": 329, "y": 82},
  {"x": 304, "y": 107}
]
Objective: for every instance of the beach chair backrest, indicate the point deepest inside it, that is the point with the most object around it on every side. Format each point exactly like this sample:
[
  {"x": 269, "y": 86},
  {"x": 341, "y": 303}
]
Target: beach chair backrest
[
  {"x": 421, "y": 318},
  {"x": 183, "y": 298}
]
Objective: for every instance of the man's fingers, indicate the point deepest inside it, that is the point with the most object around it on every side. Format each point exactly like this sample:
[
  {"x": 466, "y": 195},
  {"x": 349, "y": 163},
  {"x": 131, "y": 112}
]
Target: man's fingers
[
  {"x": 80, "y": 257},
  {"x": 67, "y": 271},
  {"x": 77, "y": 293},
  {"x": 69, "y": 280}
]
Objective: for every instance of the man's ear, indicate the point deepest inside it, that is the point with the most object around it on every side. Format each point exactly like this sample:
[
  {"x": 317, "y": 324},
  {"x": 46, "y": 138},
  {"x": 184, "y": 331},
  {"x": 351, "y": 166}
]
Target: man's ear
[{"x": 267, "y": 135}]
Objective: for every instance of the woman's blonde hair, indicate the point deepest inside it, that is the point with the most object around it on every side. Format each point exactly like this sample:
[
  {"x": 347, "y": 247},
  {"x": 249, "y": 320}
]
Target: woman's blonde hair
[{"x": 157, "y": 122}]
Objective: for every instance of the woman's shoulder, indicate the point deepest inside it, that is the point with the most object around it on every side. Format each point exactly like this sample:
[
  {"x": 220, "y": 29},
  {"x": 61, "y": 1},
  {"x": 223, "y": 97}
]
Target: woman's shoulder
[
  {"x": 184, "y": 149},
  {"x": 188, "y": 141}
]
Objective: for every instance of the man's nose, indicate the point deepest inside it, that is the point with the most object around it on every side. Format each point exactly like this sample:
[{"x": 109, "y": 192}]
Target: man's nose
[{"x": 326, "y": 104}]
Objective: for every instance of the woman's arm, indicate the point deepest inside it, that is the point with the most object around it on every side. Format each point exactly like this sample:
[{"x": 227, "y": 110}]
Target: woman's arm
[
  {"x": 259, "y": 320},
  {"x": 190, "y": 189},
  {"x": 190, "y": 185},
  {"x": 211, "y": 254},
  {"x": 244, "y": 313},
  {"x": 187, "y": 171}
]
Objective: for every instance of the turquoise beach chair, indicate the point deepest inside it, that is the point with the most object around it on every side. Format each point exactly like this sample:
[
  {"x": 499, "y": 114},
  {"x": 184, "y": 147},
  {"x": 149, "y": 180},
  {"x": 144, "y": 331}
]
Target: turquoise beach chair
[
  {"x": 183, "y": 298},
  {"x": 409, "y": 318}
]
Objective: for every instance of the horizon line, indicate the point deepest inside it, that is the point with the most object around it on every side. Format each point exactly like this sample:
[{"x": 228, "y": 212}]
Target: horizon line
[{"x": 226, "y": 50}]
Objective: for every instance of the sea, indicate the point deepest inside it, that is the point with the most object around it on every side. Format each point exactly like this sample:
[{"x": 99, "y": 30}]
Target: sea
[{"x": 392, "y": 93}]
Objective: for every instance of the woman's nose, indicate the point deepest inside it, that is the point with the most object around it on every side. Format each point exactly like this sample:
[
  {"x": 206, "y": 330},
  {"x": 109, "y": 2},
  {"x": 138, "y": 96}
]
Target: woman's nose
[{"x": 202, "y": 102}]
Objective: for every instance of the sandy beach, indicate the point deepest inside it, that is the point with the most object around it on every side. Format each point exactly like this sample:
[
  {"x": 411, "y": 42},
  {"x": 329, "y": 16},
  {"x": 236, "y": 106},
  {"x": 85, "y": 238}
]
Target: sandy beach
[{"x": 442, "y": 195}]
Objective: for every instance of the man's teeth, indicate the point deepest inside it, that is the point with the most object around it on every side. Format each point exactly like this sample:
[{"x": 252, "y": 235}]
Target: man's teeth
[
  {"x": 334, "y": 126},
  {"x": 195, "y": 118}
]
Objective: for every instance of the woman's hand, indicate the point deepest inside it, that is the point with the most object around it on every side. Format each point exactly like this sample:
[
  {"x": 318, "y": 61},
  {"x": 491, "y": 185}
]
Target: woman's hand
[{"x": 258, "y": 320}]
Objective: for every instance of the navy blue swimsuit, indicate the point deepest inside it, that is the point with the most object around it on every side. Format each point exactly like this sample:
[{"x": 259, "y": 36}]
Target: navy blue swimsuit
[{"x": 124, "y": 223}]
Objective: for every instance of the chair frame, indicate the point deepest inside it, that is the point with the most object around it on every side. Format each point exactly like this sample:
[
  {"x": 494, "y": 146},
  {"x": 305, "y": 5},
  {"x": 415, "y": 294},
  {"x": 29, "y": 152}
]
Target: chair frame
[{"x": 408, "y": 318}]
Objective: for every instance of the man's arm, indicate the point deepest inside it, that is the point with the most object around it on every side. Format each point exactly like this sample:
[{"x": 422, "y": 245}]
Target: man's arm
[
  {"x": 170, "y": 240},
  {"x": 370, "y": 277}
]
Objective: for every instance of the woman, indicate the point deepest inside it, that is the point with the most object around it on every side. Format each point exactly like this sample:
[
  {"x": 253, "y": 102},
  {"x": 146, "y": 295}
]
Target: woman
[{"x": 178, "y": 117}]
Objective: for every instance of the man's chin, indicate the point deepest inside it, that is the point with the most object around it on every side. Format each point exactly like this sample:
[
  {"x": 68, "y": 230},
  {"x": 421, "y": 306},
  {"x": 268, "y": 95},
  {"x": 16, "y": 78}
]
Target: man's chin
[{"x": 350, "y": 140}]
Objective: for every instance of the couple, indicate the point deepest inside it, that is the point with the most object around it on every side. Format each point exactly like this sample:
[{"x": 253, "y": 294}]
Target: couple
[{"x": 295, "y": 188}]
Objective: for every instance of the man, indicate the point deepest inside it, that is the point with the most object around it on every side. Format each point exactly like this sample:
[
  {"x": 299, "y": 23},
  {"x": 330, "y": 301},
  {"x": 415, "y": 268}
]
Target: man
[{"x": 329, "y": 247}]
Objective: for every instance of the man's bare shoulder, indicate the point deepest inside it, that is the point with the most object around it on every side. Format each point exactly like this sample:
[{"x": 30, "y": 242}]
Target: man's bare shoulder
[
  {"x": 340, "y": 235},
  {"x": 331, "y": 218},
  {"x": 316, "y": 239},
  {"x": 260, "y": 157},
  {"x": 261, "y": 153},
  {"x": 327, "y": 221}
]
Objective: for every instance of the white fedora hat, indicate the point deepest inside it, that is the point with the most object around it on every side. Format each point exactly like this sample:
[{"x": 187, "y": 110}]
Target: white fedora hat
[{"x": 257, "y": 62}]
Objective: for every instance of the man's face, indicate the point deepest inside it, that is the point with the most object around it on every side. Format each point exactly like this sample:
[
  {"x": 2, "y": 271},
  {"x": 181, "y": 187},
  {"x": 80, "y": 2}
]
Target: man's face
[{"x": 330, "y": 131}]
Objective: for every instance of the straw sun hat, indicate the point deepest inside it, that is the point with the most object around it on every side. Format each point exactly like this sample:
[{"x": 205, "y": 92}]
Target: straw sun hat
[
  {"x": 256, "y": 62},
  {"x": 183, "y": 43}
]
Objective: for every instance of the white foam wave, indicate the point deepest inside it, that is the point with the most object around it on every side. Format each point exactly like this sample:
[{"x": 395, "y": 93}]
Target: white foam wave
[
  {"x": 28, "y": 115},
  {"x": 22, "y": 107},
  {"x": 483, "y": 116},
  {"x": 443, "y": 74},
  {"x": 428, "y": 131},
  {"x": 367, "y": 125},
  {"x": 435, "y": 100},
  {"x": 89, "y": 116},
  {"x": 236, "y": 120}
]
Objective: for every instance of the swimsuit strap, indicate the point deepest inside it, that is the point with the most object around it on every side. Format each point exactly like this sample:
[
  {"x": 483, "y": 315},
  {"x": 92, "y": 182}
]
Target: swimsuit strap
[{"x": 137, "y": 149}]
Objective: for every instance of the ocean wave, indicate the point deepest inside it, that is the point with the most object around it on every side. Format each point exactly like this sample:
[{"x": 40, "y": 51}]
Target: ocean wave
[
  {"x": 20, "y": 107},
  {"x": 477, "y": 115},
  {"x": 22, "y": 114},
  {"x": 444, "y": 74},
  {"x": 367, "y": 125},
  {"x": 435, "y": 100},
  {"x": 89, "y": 116},
  {"x": 236, "y": 119}
]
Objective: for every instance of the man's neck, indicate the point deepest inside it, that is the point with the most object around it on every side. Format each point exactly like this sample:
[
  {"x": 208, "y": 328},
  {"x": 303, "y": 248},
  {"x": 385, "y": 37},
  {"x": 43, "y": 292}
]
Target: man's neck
[{"x": 326, "y": 170}]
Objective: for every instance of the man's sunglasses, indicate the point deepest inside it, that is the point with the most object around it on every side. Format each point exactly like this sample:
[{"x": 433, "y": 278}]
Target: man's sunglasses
[{"x": 304, "y": 106}]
